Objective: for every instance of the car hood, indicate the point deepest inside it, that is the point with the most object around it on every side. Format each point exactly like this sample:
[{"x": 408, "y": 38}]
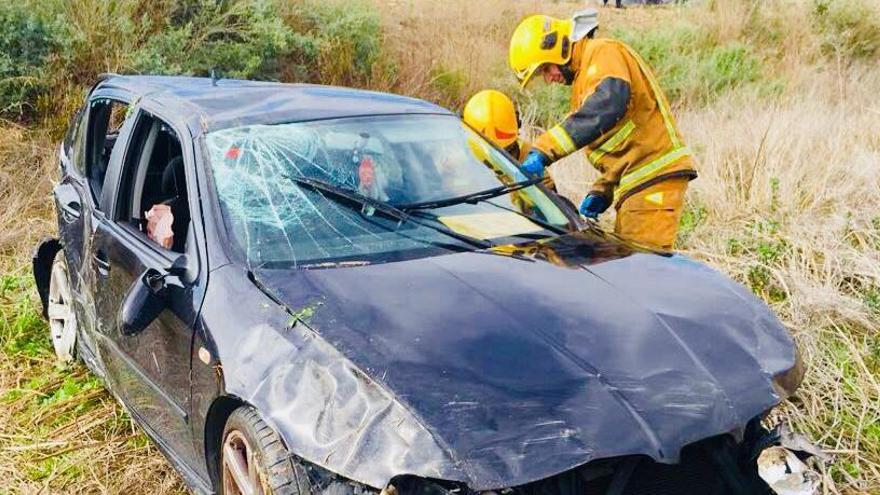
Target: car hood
[{"x": 526, "y": 361}]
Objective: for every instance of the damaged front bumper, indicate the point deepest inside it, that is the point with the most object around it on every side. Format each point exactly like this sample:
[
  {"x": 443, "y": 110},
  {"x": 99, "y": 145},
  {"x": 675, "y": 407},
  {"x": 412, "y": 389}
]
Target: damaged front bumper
[
  {"x": 719, "y": 465},
  {"x": 765, "y": 462}
]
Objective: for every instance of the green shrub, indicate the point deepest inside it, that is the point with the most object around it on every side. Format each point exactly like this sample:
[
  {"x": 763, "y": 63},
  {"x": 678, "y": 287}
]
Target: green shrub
[
  {"x": 691, "y": 218},
  {"x": 346, "y": 39},
  {"x": 450, "y": 84},
  {"x": 848, "y": 27},
  {"x": 237, "y": 39},
  {"x": 728, "y": 66},
  {"x": 691, "y": 65},
  {"x": 26, "y": 42},
  {"x": 58, "y": 47}
]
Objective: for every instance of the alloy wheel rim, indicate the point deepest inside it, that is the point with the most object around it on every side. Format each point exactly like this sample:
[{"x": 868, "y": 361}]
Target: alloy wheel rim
[
  {"x": 242, "y": 473},
  {"x": 62, "y": 319}
]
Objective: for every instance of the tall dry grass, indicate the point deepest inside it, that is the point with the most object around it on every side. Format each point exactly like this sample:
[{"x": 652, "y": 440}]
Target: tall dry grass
[{"x": 810, "y": 164}]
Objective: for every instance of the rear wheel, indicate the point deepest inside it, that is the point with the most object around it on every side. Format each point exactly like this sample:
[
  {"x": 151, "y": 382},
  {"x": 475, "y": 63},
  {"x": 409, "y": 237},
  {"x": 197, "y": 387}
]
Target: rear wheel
[
  {"x": 62, "y": 318},
  {"x": 254, "y": 461}
]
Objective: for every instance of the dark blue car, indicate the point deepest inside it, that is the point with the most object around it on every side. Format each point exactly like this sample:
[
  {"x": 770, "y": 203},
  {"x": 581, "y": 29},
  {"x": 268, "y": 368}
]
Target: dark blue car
[{"x": 302, "y": 289}]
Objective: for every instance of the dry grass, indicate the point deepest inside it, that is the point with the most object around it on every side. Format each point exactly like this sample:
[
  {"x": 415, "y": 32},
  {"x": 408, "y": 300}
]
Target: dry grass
[
  {"x": 788, "y": 203},
  {"x": 808, "y": 168}
]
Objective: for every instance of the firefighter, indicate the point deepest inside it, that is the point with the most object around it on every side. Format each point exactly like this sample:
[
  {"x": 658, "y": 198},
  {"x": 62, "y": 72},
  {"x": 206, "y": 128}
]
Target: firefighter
[
  {"x": 619, "y": 117},
  {"x": 492, "y": 114}
]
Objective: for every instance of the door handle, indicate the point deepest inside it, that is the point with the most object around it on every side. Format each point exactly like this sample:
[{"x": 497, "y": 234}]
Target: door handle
[
  {"x": 70, "y": 211},
  {"x": 101, "y": 263}
]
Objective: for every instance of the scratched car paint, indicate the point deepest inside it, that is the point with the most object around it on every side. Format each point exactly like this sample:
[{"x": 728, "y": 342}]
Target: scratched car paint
[{"x": 382, "y": 340}]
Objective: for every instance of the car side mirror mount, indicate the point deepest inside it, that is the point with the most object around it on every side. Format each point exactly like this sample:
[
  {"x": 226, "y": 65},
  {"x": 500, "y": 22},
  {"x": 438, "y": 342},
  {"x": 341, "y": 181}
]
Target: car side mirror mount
[
  {"x": 146, "y": 299},
  {"x": 179, "y": 267}
]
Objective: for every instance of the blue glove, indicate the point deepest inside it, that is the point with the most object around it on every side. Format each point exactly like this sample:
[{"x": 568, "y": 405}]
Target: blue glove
[
  {"x": 593, "y": 205},
  {"x": 533, "y": 165}
]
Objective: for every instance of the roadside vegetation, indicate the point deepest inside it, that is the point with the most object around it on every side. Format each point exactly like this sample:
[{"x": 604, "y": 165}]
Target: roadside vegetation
[{"x": 778, "y": 100}]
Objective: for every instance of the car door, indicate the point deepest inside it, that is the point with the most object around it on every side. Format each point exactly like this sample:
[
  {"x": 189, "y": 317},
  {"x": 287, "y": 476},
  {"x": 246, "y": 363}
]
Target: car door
[
  {"x": 148, "y": 367},
  {"x": 84, "y": 157}
]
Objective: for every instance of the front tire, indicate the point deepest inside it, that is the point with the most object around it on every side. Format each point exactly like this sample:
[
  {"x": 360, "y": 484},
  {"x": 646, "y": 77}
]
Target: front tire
[
  {"x": 254, "y": 461},
  {"x": 62, "y": 318}
]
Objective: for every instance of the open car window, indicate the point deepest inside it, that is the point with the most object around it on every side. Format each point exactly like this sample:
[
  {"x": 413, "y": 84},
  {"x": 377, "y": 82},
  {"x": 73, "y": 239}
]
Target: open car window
[
  {"x": 106, "y": 116},
  {"x": 153, "y": 193},
  {"x": 398, "y": 159}
]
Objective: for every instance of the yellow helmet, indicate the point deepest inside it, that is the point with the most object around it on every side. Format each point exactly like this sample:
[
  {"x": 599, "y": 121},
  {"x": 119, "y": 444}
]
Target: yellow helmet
[
  {"x": 541, "y": 39},
  {"x": 492, "y": 114}
]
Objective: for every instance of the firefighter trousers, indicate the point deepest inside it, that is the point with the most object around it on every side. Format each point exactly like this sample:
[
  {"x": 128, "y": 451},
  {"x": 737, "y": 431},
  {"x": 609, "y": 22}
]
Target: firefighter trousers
[{"x": 650, "y": 217}]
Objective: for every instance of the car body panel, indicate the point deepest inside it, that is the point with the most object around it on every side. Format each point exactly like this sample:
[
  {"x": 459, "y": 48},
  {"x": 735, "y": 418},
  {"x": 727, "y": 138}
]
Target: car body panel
[
  {"x": 208, "y": 105},
  {"x": 516, "y": 369}
]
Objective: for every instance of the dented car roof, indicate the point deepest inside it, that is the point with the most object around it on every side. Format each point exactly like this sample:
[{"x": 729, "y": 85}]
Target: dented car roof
[{"x": 207, "y": 104}]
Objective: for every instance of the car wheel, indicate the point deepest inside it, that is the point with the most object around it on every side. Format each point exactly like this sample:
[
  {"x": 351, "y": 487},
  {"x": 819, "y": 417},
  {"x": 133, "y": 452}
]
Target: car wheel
[
  {"x": 62, "y": 318},
  {"x": 254, "y": 461}
]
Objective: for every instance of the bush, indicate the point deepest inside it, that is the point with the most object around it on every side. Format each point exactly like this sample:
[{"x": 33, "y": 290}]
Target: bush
[
  {"x": 25, "y": 44},
  {"x": 346, "y": 39},
  {"x": 237, "y": 39},
  {"x": 728, "y": 66},
  {"x": 691, "y": 65},
  {"x": 59, "y": 47},
  {"x": 450, "y": 85},
  {"x": 849, "y": 27}
]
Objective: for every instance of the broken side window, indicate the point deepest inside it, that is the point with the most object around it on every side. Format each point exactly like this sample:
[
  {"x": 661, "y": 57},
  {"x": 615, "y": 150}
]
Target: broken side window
[{"x": 106, "y": 117}]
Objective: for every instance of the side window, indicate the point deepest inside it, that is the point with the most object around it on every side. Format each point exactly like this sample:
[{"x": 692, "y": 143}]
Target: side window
[
  {"x": 106, "y": 116},
  {"x": 152, "y": 196},
  {"x": 72, "y": 131}
]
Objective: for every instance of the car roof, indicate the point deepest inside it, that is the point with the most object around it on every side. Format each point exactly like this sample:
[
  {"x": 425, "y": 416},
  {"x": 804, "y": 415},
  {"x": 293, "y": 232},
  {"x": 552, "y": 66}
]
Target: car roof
[{"x": 207, "y": 104}]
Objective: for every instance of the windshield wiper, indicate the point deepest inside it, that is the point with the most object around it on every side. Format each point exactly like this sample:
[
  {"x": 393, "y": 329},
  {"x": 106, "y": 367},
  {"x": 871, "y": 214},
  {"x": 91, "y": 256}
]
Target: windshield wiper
[
  {"x": 382, "y": 207},
  {"x": 471, "y": 198}
]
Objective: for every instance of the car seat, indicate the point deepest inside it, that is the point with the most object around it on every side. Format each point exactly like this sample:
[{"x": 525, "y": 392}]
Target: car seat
[{"x": 174, "y": 195}]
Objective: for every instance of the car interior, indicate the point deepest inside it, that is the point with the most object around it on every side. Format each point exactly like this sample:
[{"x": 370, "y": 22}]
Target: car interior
[{"x": 154, "y": 184}]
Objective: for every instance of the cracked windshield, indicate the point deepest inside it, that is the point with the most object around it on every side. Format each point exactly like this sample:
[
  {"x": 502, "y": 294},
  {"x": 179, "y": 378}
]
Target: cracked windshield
[{"x": 370, "y": 189}]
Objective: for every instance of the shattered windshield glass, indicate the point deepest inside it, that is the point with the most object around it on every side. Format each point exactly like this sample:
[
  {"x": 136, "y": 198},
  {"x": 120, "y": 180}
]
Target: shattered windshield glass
[{"x": 397, "y": 159}]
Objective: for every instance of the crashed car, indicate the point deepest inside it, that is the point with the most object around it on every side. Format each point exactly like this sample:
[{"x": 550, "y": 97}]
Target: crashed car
[{"x": 300, "y": 289}]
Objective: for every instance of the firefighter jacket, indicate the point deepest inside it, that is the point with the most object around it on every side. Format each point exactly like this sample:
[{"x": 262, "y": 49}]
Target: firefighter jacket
[{"x": 621, "y": 119}]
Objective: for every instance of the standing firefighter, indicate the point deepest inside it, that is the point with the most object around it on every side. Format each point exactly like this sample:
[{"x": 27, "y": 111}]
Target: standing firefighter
[{"x": 619, "y": 116}]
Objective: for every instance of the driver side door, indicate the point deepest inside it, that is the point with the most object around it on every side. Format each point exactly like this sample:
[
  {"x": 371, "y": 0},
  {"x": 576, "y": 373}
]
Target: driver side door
[{"x": 148, "y": 367}]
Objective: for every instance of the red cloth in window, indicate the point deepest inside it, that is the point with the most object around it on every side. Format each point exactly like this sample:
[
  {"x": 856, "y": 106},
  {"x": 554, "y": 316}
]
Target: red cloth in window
[{"x": 159, "y": 222}]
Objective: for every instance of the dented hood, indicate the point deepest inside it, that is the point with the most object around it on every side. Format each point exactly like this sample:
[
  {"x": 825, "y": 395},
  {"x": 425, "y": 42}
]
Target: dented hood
[{"x": 525, "y": 364}]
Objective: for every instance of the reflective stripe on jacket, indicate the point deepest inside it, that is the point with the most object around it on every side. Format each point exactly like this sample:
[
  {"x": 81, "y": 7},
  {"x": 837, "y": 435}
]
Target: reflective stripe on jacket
[{"x": 621, "y": 119}]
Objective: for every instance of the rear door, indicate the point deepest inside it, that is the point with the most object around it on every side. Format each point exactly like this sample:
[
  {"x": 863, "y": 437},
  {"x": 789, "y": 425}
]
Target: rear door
[
  {"x": 150, "y": 369},
  {"x": 85, "y": 156}
]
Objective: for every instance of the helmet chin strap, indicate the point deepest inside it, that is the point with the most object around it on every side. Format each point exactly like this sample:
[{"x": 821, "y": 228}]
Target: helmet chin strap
[{"x": 567, "y": 73}]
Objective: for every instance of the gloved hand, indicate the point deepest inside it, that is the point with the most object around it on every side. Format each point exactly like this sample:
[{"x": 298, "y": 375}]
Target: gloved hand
[
  {"x": 533, "y": 165},
  {"x": 594, "y": 204}
]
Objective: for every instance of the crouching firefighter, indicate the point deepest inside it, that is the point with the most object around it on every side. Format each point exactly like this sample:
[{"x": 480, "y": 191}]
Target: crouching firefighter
[
  {"x": 494, "y": 116},
  {"x": 619, "y": 117}
]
